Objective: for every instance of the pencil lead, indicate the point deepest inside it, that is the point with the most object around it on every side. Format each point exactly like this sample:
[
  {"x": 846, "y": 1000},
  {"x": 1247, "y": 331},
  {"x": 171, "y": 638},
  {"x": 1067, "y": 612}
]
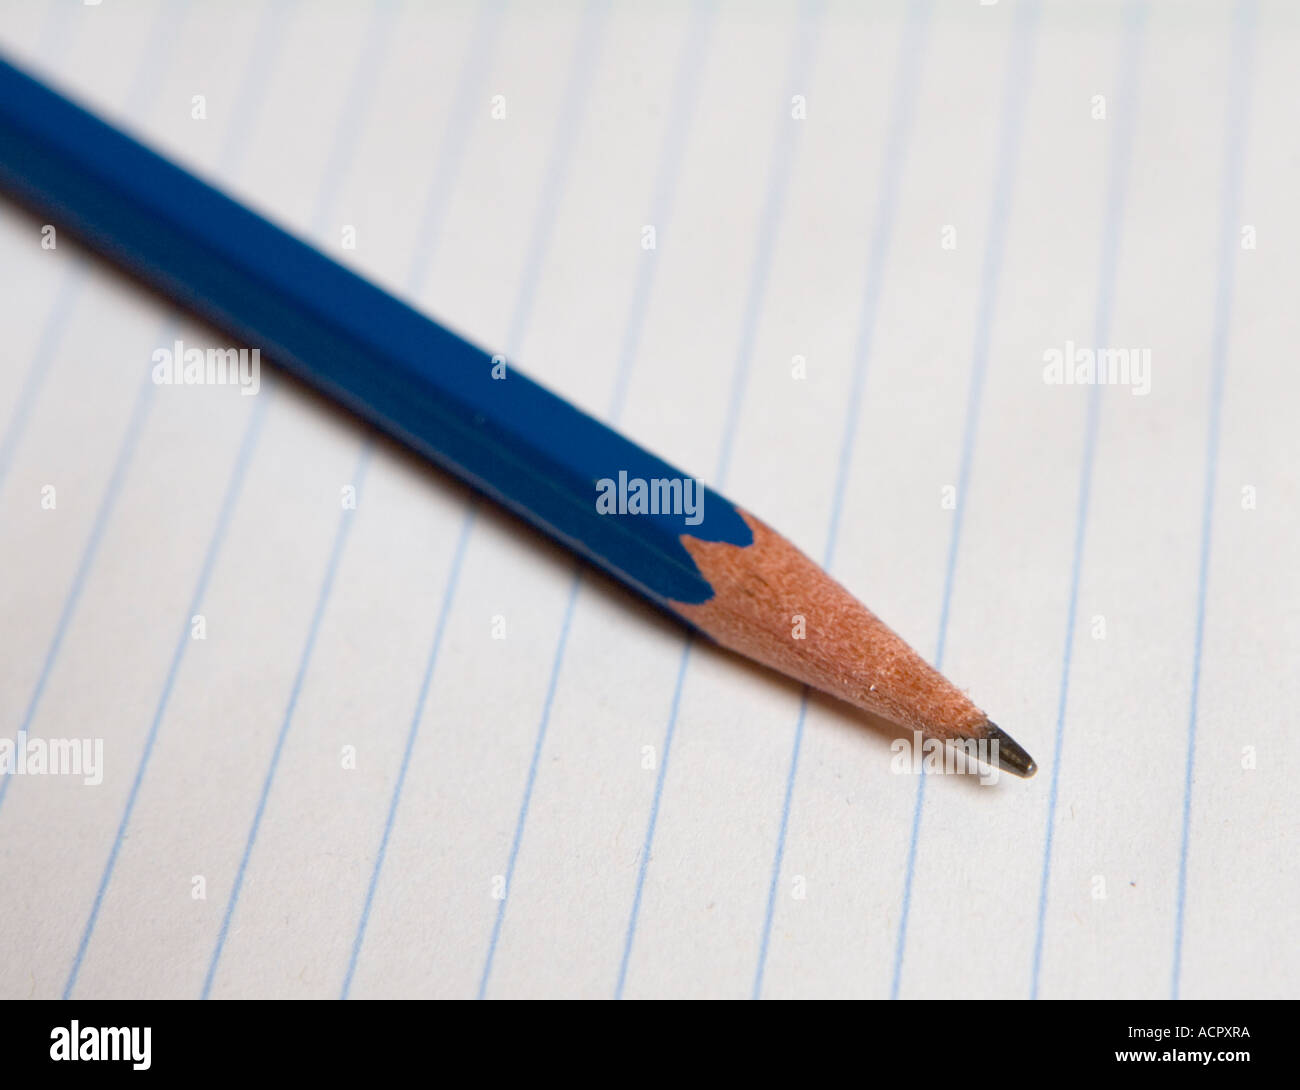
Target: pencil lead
[{"x": 1010, "y": 756}]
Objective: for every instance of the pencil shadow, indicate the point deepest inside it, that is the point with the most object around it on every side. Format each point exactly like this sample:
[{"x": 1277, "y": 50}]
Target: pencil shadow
[
  {"x": 890, "y": 735},
  {"x": 875, "y": 730}
]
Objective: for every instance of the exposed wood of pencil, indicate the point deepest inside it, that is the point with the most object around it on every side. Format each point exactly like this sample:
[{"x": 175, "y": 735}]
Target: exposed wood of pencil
[{"x": 845, "y": 650}]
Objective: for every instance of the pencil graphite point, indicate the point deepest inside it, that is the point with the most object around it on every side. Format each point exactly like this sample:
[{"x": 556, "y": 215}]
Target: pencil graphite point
[{"x": 1011, "y": 756}]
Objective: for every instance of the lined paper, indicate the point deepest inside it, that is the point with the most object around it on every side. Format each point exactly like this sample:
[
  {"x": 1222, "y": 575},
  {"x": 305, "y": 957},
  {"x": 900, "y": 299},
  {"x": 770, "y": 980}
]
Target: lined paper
[{"x": 366, "y": 736}]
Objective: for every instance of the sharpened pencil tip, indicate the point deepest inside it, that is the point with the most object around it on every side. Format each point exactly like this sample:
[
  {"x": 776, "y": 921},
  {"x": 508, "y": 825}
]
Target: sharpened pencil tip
[{"x": 1011, "y": 756}]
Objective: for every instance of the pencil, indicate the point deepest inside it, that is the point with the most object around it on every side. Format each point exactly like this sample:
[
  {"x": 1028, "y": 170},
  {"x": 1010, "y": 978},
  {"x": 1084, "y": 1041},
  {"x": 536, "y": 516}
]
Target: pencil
[{"x": 661, "y": 532}]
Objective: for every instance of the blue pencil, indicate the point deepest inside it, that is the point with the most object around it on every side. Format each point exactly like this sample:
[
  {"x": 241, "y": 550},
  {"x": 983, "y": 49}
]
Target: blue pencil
[{"x": 663, "y": 533}]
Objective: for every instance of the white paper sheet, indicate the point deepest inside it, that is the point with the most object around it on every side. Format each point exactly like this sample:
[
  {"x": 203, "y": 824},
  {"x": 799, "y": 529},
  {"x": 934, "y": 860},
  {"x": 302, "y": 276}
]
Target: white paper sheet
[{"x": 415, "y": 753}]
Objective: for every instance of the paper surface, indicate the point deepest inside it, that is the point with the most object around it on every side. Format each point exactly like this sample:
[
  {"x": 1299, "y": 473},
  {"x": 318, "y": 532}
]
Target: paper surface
[{"x": 361, "y": 736}]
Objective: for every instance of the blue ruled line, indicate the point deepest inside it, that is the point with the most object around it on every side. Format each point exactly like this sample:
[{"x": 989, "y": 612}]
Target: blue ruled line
[
  {"x": 531, "y": 780},
  {"x": 1013, "y": 101},
  {"x": 70, "y": 290},
  {"x": 453, "y": 580},
  {"x": 907, "y": 79},
  {"x": 644, "y": 861},
  {"x": 1121, "y": 149},
  {"x": 1238, "y": 114},
  {"x": 470, "y": 81},
  {"x": 573, "y": 105},
  {"x": 810, "y": 14},
  {"x": 783, "y": 149},
  {"x": 686, "y": 82}
]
